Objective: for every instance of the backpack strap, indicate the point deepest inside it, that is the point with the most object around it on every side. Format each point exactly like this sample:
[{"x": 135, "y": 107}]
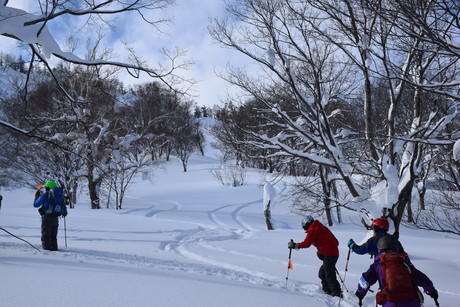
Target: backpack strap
[
  {"x": 51, "y": 202},
  {"x": 409, "y": 267}
]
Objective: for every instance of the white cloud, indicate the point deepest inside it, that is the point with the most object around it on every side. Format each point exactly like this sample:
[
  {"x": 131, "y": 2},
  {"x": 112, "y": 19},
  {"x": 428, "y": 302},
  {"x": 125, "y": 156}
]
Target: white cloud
[{"x": 189, "y": 32}]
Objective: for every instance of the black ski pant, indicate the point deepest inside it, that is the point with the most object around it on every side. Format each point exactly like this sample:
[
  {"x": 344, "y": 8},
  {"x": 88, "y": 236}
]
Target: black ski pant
[
  {"x": 50, "y": 226},
  {"x": 327, "y": 274}
]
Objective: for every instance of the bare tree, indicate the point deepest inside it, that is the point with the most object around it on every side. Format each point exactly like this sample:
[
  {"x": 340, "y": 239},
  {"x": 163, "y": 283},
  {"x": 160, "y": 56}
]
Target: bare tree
[
  {"x": 128, "y": 158},
  {"x": 411, "y": 63},
  {"x": 301, "y": 66},
  {"x": 442, "y": 215},
  {"x": 300, "y": 62},
  {"x": 325, "y": 53},
  {"x": 184, "y": 135},
  {"x": 32, "y": 30}
]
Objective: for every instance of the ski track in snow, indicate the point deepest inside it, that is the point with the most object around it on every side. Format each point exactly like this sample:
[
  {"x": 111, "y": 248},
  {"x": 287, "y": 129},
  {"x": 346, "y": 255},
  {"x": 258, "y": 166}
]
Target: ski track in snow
[
  {"x": 150, "y": 212},
  {"x": 212, "y": 215},
  {"x": 175, "y": 206},
  {"x": 203, "y": 236},
  {"x": 235, "y": 214},
  {"x": 212, "y": 268},
  {"x": 131, "y": 211},
  {"x": 226, "y": 223}
]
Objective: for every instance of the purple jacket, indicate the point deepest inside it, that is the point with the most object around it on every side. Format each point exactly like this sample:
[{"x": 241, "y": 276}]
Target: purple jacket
[{"x": 374, "y": 274}]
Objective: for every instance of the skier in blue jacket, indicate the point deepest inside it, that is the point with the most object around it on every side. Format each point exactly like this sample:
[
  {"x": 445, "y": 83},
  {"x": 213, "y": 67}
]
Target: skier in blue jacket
[
  {"x": 380, "y": 228},
  {"x": 51, "y": 205}
]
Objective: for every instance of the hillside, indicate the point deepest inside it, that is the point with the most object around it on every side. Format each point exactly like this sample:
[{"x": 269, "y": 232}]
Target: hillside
[{"x": 183, "y": 239}]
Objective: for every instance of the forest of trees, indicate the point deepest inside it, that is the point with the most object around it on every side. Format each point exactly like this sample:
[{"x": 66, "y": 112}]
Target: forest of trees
[
  {"x": 103, "y": 139},
  {"x": 359, "y": 101},
  {"x": 75, "y": 122}
]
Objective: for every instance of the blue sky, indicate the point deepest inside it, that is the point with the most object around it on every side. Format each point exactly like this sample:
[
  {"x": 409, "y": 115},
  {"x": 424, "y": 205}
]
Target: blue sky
[{"x": 188, "y": 31}]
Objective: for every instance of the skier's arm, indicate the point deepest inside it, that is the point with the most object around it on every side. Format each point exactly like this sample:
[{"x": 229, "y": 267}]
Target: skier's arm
[
  {"x": 309, "y": 239},
  {"x": 367, "y": 248},
  {"x": 423, "y": 281},
  {"x": 367, "y": 280},
  {"x": 39, "y": 201}
]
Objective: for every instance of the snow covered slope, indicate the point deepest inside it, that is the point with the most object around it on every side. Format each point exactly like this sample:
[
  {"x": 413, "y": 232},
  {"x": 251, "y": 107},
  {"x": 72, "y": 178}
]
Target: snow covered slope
[{"x": 186, "y": 240}]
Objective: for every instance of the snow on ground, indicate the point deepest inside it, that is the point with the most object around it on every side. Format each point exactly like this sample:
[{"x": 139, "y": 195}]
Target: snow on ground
[{"x": 183, "y": 239}]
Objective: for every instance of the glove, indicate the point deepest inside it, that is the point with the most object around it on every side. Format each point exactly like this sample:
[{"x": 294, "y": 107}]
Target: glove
[
  {"x": 434, "y": 294},
  {"x": 359, "y": 295},
  {"x": 37, "y": 194},
  {"x": 293, "y": 245},
  {"x": 351, "y": 243},
  {"x": 64, "y": 214}
]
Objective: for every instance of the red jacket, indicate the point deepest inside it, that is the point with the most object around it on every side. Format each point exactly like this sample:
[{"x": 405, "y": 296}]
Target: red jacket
[{"x": 322, "y": 238}]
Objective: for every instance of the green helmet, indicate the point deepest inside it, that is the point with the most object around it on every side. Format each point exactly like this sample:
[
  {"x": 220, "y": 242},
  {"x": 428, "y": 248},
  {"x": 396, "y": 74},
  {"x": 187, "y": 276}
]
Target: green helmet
[{"x": 50, "y": 184}]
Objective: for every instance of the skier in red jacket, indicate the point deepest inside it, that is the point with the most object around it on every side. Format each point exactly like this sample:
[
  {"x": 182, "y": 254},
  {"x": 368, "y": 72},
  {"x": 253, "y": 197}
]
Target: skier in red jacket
[{"x": 327, "y": 245}]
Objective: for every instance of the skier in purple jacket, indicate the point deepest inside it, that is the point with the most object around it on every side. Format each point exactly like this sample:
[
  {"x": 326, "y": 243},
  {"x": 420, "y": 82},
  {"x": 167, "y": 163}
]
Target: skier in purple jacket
[{"x": 374, "y": 274}]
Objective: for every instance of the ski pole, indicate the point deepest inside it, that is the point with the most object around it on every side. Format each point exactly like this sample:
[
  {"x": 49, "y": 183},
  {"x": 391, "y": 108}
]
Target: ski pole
[
  {"x": 18, "y": 238},
  {"x": 341, "y": 280},
  {"x": 346, "y": 268},
  {"x": 344, "y": 276},
  {"x": 65, "y": 232},
  {"x": 289, "y": 267}
]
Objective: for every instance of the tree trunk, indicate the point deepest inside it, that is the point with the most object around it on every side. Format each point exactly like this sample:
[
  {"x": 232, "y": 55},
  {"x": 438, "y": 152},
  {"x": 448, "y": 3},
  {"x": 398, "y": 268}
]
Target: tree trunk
[
  {"x": 403, "y": 199},
  {"x": 369, "y": 127},
  {"x": 94, "y": 195},
  {"x": 326, "y": 184},
  {"x": 410, "y": 215},
  {"x": 93, "y": 189},
  {"x": 421, "y": 194},
  {"x": 184, "y": 160},
  {"x": 338, "y": 211},
  {"x": 73, "y": 195},
  {"x": 268, "y": 215}
]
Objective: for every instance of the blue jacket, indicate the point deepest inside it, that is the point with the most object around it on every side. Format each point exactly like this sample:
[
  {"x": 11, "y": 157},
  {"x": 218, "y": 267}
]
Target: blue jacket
[
  {"x": 370, "y": 247},
  {"x": 52, "y": 203}
]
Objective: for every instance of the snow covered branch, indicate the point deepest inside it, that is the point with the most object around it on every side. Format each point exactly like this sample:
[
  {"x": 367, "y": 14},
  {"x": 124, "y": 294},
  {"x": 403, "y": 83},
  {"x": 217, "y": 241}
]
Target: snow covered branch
[{"x": 33, "y": 30}]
